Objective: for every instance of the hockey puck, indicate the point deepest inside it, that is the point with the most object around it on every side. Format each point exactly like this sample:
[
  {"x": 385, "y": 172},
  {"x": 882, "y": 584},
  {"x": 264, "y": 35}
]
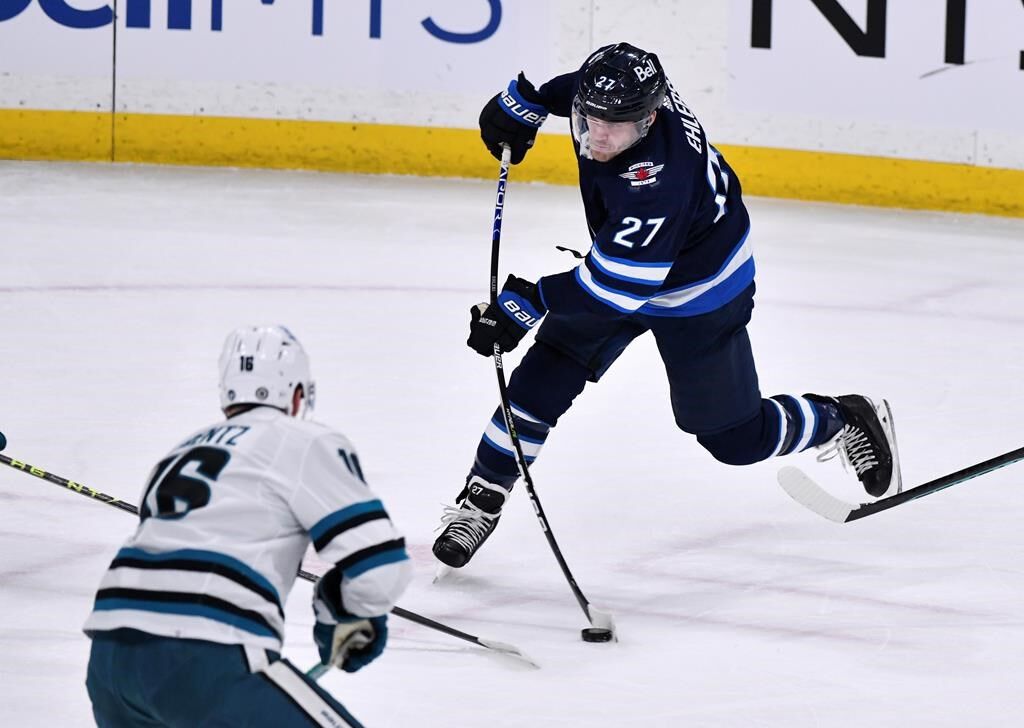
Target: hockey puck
[
  {"x": 3, "y": 441},
  {"x": 596, "y": 634}
]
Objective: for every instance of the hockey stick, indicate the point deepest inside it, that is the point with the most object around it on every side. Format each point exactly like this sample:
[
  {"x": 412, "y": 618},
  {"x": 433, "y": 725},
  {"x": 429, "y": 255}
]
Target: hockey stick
[
  {"x": 602, "y": 627},
  {"x": 811, "y": 495},
  {"x": 499, "y": 648},
  {"x": 110, "y": 500}
]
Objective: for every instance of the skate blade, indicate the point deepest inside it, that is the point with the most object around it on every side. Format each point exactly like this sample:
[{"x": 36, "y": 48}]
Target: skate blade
[{"x": 896, "y": 486}]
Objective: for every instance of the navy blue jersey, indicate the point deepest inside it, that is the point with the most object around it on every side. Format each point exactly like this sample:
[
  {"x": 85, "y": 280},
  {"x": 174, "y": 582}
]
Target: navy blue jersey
[{"x": 667, "y": 220}]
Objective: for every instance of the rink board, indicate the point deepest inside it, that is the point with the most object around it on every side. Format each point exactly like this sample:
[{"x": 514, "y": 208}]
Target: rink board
[
  {"x": 425, "y": 151},
  {"x": 910, "y": 105}
]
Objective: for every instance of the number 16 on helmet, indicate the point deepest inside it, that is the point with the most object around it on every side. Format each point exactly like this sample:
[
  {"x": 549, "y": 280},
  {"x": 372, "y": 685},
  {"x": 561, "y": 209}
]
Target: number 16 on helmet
[{"x": 263, "y": 365}]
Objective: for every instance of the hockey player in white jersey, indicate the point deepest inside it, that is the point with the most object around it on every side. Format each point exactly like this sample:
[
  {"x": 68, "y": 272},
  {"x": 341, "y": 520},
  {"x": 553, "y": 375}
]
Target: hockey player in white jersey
[{"x": 188, "y": 621}]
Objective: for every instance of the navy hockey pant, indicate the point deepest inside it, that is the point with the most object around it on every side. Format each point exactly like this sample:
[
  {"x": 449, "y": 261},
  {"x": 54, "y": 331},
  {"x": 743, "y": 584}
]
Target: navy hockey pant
[
  {"x": 137, "y": 680},
  {"x": 712, "y": 379}
]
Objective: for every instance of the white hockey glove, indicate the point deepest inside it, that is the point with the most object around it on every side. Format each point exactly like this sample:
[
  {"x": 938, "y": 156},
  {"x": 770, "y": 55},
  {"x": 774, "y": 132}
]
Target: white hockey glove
[
  {"x": 344, "y": 640},
  {"x": 351, "y": 645}
]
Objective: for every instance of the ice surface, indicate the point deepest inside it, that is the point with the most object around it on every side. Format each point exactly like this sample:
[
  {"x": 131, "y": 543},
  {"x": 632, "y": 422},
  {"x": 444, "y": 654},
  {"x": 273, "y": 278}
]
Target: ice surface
[{"x": 734, "y": 606}]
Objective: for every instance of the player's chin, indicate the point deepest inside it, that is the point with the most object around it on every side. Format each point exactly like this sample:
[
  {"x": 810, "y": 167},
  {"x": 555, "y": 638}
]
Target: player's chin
[{"x": 600, "y": 155}]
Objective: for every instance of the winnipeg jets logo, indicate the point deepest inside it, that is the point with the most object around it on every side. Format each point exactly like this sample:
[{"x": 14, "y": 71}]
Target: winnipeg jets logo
[{"x": 642, "y": 173}]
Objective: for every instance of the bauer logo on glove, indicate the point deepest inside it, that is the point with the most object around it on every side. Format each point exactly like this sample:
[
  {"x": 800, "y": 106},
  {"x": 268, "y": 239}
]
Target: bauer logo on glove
[
  {"x": 512, "y": 118},
  {"x": 519, "y": 313},
  {"x": 519, "y": 308}
]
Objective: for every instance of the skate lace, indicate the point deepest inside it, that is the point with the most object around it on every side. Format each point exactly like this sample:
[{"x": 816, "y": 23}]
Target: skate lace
[
  {"x": 853, "y": 448},
  {"x": 466, "y": 524}
]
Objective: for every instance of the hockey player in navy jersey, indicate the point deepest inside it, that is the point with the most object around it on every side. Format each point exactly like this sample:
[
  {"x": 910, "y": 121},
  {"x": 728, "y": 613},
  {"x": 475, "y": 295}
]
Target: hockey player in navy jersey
[
  {"x": 671, "y": 254},
  {"x": 188, "y": 621}
]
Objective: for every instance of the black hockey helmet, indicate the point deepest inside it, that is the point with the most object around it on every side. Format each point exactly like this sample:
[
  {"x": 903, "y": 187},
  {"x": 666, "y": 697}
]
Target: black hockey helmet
[{"x": 621, "y": 83}]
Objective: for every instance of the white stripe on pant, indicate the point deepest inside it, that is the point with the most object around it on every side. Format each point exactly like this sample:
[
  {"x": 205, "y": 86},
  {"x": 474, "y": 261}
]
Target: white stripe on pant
[{"x": 293, "y": 685}]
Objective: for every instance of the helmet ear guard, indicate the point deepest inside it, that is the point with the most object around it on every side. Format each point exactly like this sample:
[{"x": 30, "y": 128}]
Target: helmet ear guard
[{"x": 263, "y": 365}]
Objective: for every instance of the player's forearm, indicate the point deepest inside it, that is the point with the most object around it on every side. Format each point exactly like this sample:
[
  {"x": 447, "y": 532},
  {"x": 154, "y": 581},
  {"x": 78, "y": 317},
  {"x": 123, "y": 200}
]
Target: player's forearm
[
  {"x": 376, "y": 591},
  {"x": 566, "y": 294}
]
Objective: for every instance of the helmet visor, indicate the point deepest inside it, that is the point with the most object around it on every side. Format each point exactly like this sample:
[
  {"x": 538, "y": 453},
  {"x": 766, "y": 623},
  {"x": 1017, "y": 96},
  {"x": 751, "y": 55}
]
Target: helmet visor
[{"x": 603, "y": 140}]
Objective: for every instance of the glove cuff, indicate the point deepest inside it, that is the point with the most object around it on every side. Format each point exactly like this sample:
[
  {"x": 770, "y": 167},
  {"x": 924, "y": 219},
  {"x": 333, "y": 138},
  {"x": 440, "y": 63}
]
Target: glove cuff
[
  {"x": 514, "y": 104},
  {"x": 521, "y": 301},
  {"x": 529, "y": 92},
  {"x": 327, "y": 602}
]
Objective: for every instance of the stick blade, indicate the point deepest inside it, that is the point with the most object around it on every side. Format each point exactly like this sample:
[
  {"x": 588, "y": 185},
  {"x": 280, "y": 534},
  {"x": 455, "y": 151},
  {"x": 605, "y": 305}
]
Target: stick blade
[
  {"x": 441, "y": 573},
  {"x": 503, "y": 648},
  {"x": 603, "y": 620},
  {"x": 812, "y": 496}
]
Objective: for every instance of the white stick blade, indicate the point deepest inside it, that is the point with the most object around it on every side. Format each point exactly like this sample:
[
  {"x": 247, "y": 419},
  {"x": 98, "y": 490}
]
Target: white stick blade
[
  {"x": 603, "y": 620},
  {"x": 812, "y": 496},
  {"x": 508, "y": 650},
  {"x": 443, "y": 570}
]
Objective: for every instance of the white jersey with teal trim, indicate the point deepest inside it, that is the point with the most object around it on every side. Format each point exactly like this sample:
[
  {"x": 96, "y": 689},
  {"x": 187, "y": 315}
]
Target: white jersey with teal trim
[{"x": 225, "y": 521}]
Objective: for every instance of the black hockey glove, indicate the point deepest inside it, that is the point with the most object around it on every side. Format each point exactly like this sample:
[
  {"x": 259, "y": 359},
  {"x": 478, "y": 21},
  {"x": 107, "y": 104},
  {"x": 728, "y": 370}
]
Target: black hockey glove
[
  {"x": 519, "y": 309},
  {"x": 512, "y": 117}
]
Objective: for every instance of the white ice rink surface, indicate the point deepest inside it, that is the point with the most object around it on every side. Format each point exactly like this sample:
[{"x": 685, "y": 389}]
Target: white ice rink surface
[{"x": 735, "y": 606}]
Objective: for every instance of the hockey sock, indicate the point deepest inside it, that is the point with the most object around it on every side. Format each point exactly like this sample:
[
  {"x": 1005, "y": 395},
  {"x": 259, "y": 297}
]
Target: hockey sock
[
  {"x": 805, "y": 422},
  {"x": 495, "y": 459}
]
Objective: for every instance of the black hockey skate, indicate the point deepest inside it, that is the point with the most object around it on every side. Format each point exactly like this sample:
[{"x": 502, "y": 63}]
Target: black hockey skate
[
  {"x": 469, "y": 522},
  {"x": 867, "y": 443}
]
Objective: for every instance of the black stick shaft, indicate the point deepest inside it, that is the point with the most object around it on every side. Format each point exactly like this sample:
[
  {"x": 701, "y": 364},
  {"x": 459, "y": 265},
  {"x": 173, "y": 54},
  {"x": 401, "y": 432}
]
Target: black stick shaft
[
  {"x": 506, "y": 409},
  {"x": 946, "y": 481},
  {"x": 431, "y": 624},
  {"x": 129, "y": 508},
  {"x": 413, "y": 617}
]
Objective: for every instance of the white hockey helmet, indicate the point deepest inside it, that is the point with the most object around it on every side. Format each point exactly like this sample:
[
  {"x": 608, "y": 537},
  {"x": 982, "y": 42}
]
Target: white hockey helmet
[{"x": 264, "y": 365}]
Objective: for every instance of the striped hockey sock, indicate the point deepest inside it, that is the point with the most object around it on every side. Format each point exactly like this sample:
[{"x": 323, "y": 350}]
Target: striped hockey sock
[
  {"x": 495, "y": 459},
  {"x": 804, "y": 423}
]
